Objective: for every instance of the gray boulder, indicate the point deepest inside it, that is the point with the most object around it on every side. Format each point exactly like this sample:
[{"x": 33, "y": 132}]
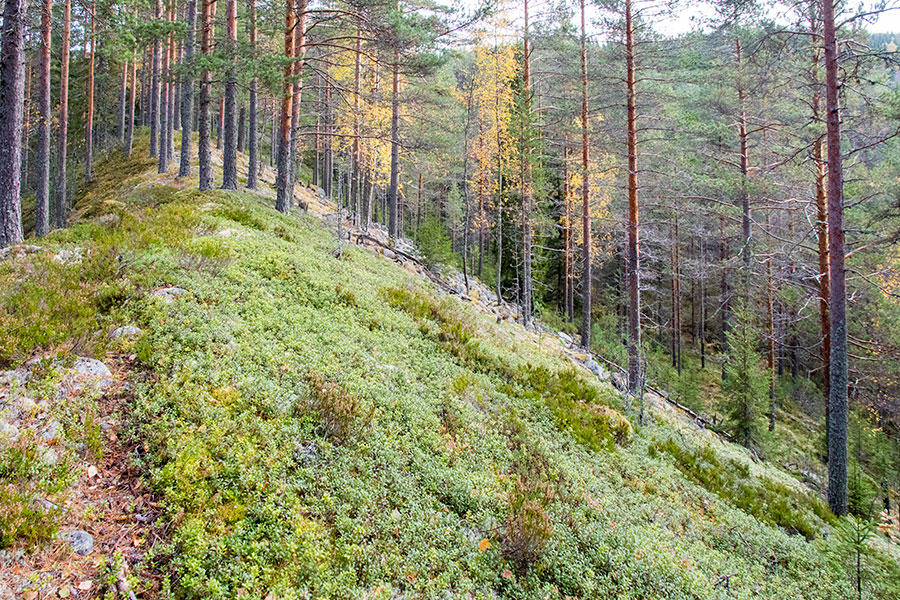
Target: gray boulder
[
  {"x": 80, "y": 541},
  {"x": 125, "y": 331},
  {"x": 594, "y": 367}
]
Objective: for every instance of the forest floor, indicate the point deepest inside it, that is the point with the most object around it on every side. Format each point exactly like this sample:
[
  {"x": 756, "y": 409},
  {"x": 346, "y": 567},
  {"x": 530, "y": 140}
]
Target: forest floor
[
  {"x": 108, "y": 510},
  {"x": 284, "y": 423}
]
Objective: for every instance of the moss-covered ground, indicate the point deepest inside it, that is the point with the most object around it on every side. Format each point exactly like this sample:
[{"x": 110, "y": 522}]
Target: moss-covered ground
[{"x": 335, "y": 428}]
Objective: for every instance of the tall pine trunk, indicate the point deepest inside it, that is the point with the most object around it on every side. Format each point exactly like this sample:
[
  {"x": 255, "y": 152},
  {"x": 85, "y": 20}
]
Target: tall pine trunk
[
  {"x": 203, "y": 145},
  {"x": 129, "y": 139},
  {"x": 229, "y": 156},
  {"x": 26, "y": 125},
  {"x": 123, "y": 98},
  {"x": 154, "y": 89},
  {"x": 299, "y": 31},
  {"x": 89, "y": 122},
  {"x": 394, "y": 191},
  {"x": 61, "y": 203},
  {"x": 172, "y": 97},
  {"x": 164, "y": 99},
  {"x": 818, "y": 156},
  {"x": 585, "y": 196},
  {"x": 42, "y": 171},
  {"x": 632, "y": 256},
  {"x": 252, "y": 150},
  {"x": 837, "y": 399},
  {"x": 282, "y": 180},
  {"x": 12, "y": 93},
  {"x": 187, "y": 91}
]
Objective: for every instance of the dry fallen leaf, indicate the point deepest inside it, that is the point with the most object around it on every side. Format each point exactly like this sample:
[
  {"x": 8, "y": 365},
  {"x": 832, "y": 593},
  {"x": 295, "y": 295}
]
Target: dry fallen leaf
[
  {"x": 484, "y": 545},
  {"x": 85, "y": 585},
  {"x": 63, "y": 591},
  {"x": 507, "y": 574},
  {"x": 92, "y": 471},
  {"x": 29, "y": 595}
]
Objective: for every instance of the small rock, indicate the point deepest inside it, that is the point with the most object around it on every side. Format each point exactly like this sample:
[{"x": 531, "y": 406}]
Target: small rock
[
  {"x": 125, "y": 331},
  {"x": 390, "y": 254},
  {"x": 109, "y": 219},
  {"x": 594, "y": 367},
  {"x": 49, "y": 456},
  {"x": 81, "y": 541},
  {"x": 620, "y": 382},
  {"x": 69, "y": 257},
  {"x": 169, "y": 294},
  {"x": 51, "y": 432},
  {"x": 92, "y": 368},
  {"x": 8, "y": 430},
  {"x": 307, "y": 454},
  {"x": 229, "y": 233},
  {"x": 18, "y": 250},
  {"x": 320, "y": 192}
]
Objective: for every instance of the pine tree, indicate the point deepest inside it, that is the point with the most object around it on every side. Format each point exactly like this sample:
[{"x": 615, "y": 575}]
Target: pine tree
[{"x": 746, "y": 383}]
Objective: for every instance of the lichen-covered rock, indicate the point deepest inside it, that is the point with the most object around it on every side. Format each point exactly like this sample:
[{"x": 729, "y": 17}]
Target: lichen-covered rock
[
  {"x": 125, "y": 331},
  {"x": 79, "y": 540},
  {"x": 594, "y": 367}
]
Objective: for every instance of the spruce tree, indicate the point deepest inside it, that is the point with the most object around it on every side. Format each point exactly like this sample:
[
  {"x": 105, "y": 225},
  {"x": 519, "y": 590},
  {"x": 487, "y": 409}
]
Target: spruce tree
[{"x": 745, "y": 385}]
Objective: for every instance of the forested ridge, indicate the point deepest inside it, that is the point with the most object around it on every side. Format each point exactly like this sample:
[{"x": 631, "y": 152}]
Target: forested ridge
[{"x": 397, "y": 299}]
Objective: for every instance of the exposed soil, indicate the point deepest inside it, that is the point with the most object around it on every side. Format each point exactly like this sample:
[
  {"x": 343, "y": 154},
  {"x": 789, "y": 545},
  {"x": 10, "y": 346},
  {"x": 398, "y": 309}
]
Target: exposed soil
[{"x": 111, "y": 502}]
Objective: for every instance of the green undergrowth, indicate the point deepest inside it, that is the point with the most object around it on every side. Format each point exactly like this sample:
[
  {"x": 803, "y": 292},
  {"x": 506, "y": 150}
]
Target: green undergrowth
[
  {"x": 334, "y": 428},
  {"x": 769, "y": 501}
]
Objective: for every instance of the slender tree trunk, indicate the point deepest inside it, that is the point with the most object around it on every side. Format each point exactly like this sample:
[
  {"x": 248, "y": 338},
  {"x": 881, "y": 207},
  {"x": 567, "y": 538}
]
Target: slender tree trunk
[
  {"x": 527, "y": 194},
  {"x": 12, "y": 95},
  {"x": 282, "y": 199},
  {"x": 567, "y": 232},
  {"x": 241, "y": 128},
  {"x": 220, "y": 123},
  {"x": 770, "y": 306},
  {"x": 229, "y": 156},
  {"x": 745, "y": 167},
  {"x": 356, "y": 183},
  {"x": 632, "y": 252},
  {"x": 164, "y": 99},
  {"x": 129, "y": 139},
  {"x": 42, "y": 175},
  {"x": 26, "y": 124},
  {"x": 316, "y": 179},
  {"x": 172, "y": 95},
  {"x": 702, "y": 285},
  {"x": 62, "y": 200},
  {"x": 394, "y": 191},
  {"x": 252, "y": 149},
  {"x": 145, "y": 88},
  {"x": 585, "y": 197},
  {"x": 187, "y": 91},
  {"x": 818, "y": 155},
  {"x": 299, "y": 32},
  {"x": 676, "y": 295},
  {"x": 273, "y": 145},
  {"x": 89, "y": 122},
  {"x": 207, "y": 31},
  {"x": 123, "y": 94},
  {"x": 154, "y": 89},
  {"x": 837, "y": 400}
]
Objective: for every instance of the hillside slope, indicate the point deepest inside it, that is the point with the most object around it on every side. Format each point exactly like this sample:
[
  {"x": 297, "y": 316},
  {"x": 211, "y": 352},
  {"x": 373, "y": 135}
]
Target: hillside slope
[{"x": 330, "y": 427}]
